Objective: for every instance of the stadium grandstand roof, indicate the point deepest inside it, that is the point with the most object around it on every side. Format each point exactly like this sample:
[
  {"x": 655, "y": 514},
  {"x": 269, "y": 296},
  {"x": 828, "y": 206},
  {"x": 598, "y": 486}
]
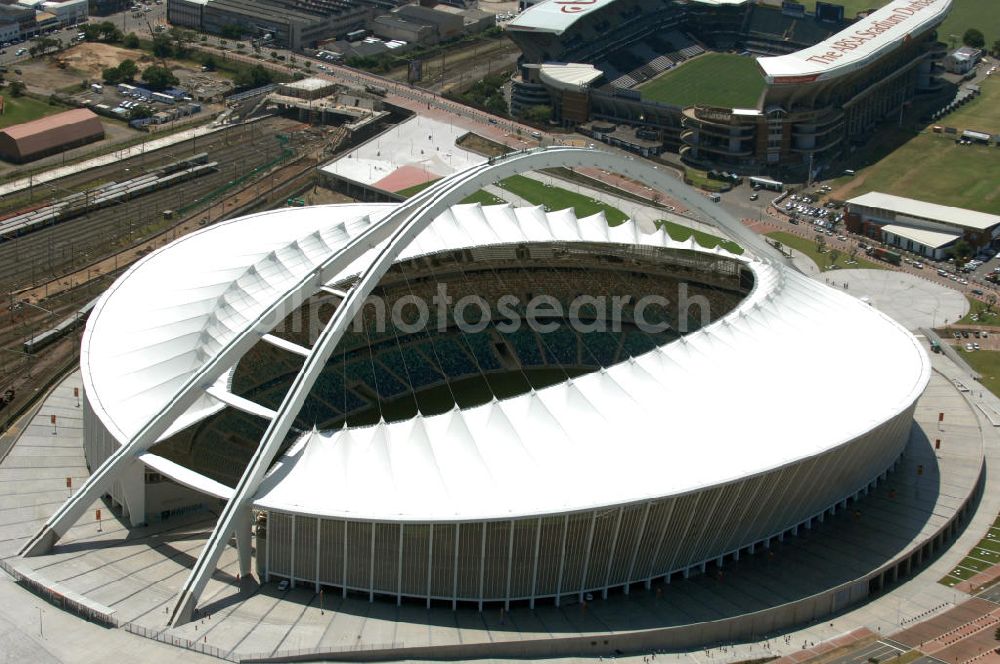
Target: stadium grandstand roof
[
  {"x": 644, "y": 427},
  {"x": 858, "y": 45},
  {"x": 569, "y": 76},
  {"x": 923, "y": 210},
  {"x": 556, "y": 16}
]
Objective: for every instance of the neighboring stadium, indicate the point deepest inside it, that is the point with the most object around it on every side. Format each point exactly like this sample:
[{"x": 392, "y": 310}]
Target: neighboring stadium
[
  {"x": 426, "y": 460},
  {"x": 812, "y": 87}
]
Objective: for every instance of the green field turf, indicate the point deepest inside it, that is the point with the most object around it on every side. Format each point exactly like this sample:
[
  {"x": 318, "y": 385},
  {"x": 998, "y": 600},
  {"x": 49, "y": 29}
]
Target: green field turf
[
  {"x": 707, "y": 240},
  {"x": 483, "y": 198},
  {"x": 712, "y": 79},
  {"x": 415, "y": 189},
  {"x": 987, "y": 364},
  {"x": 556, "y": 198},
  {"x": 982, "y": 113},
  {"x": 24, "y": 109},
  {"x": 965, "y": 14},
  {"x": 931, "y": 167}
]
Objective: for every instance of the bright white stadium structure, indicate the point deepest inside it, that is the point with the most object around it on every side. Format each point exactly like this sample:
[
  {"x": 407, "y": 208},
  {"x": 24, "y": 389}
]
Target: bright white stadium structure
[{"x": 639, "y": 456}]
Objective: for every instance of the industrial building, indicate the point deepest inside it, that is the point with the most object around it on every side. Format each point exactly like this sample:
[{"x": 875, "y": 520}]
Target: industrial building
[
  {"x": 293, "y": 24},
  {"x": 49, "y": 135},
  {"x": 924, "y": 228}
]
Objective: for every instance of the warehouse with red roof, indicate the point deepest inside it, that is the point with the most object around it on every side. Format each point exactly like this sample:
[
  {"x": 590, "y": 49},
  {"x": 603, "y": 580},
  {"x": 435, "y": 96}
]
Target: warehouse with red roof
[{"x": 49, "y": 135}]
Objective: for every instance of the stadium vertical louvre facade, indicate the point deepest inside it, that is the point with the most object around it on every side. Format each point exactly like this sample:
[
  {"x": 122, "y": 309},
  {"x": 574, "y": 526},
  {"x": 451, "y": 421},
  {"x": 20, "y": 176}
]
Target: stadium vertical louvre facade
[
  {"x": 823, "y": 85},
  {"x": 642, "y": 454}
]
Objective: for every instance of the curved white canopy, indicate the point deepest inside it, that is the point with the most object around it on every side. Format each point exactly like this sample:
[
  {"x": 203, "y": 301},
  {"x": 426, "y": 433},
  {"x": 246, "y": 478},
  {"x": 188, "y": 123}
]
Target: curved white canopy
[{"x": 755, "y": 390}]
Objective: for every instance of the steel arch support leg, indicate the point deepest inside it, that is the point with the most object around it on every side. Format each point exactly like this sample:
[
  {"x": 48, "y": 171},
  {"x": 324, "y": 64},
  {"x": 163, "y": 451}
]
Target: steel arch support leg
[
  {"x": 70, "y": 512},
  {"x": 243, "y": 542}
]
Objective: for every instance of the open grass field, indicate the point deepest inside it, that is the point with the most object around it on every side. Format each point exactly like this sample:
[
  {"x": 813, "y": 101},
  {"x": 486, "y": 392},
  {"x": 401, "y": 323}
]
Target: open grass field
[
  {"x": 808, "y": 247},
  {"x": 932, "y": 167},
  {"x": 24, "y": 109},
  {"x": 714, "y": 79},
  {"x": 985, "y": 314},
  {"x": 556, "y": 198},
  {"x": 965, "y": 14},
  {"x": 982, "y": 113},
  {"x": 987, "y": 364},
  {"x": 707, "y": 240}
]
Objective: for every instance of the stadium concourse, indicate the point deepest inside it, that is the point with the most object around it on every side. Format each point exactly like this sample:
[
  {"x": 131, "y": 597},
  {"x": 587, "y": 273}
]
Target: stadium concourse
[{"x": 514, "y": 545}]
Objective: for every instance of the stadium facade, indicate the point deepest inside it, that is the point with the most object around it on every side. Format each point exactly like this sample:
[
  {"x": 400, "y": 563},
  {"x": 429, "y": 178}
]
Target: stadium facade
[
  {"x": 591, "y": 459},
  {"x": 828, "y": 82}
]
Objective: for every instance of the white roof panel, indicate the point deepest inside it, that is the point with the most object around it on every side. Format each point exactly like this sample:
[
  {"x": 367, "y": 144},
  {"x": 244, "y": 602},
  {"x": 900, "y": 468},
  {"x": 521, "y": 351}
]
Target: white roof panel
[
  {"x": 535, "y": 453},
  {"x": 945, "y": 214},
  {"x": 555, "y": 16},
  {"x": 858, "y": 45},
  {"x": 931, "y": 239}
]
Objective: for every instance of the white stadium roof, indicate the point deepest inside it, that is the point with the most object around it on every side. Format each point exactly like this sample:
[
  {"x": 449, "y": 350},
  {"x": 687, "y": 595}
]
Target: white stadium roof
[
  {"x": 911, "y": 207},
  {"x": 568, "y": 76},
  {"x": 860, "y": 44},
  {"x": 556, "y": 16},
  {"x": 651, "y": 426}
]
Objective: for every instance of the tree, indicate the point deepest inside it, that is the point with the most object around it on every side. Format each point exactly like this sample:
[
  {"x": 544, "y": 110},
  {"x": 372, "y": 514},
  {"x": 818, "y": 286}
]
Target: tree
[
  {"x": 131, "y": 40},
  {"x": 159, "y": 78},
  {"x": 834, "y": 256},
  {"x": 974, "y": 38},
  {"x": 17, "y": 88},
  {"x": 253, "y": 77},
  {"x": 111, "y": 75},
  {"x": 961, "y": 251},
  {"x": 109, "y": 32},
  {"x": 208, "y": 62},
  {"x": 820, "y": 243},
  {"x": 162, "y": 47},
  {"x": 127, "y": 70},
  {"x": 539, "y": 114},
  {"x": 140, "y": 112},
  {"x": 232, "y": 31},
  {"x": 996, "y": 48}
]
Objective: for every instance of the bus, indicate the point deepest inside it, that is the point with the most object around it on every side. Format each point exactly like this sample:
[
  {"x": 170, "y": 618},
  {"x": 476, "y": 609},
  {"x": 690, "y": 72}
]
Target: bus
[
  {"x": 766, "y": 183},
  {"x": 886, "y": 255}
]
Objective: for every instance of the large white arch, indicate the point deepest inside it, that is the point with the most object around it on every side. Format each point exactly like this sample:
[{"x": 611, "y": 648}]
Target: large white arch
[{"x": 399, "y": 227}]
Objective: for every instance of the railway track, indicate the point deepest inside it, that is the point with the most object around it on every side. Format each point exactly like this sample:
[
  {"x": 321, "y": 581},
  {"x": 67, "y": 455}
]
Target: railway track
[{"x": 52, "y": 251}]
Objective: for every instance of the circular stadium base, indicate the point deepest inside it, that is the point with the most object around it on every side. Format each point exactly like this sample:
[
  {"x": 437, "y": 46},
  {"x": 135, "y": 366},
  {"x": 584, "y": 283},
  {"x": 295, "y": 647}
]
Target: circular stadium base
[{"x": 128, "y": 577}]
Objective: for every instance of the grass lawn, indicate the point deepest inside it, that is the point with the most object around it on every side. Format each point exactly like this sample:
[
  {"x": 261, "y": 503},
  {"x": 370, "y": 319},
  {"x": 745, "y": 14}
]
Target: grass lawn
[
  {"x": 416, "y": 189},
  {"x": 700, "y": 179},
  {"x": 483, "y": 198},
  {"x": 965, "y": 14},
  {"x": 556, "y": 198},
  {"x": 808, "y": 247},
  {"x": 987, "y": 364},
  {"x": 979, "y": 309},
  {"x": 982, "y": 113},
  {"x": 712, "y": 79},
  {"x": 984, "y": 555},
  {"x": 707, "y": 240},
  {"x": 931, "y": 167},
  {"x": 24, "y": 109}
]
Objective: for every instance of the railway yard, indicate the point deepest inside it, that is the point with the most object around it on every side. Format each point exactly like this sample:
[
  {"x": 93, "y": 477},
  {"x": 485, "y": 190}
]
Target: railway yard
[{"x": 63, "y": 242}]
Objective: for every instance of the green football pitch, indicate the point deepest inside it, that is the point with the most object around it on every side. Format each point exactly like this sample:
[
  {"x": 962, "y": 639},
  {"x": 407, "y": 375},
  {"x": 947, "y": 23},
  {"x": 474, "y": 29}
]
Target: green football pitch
[{"x": 712, "y": 79}]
